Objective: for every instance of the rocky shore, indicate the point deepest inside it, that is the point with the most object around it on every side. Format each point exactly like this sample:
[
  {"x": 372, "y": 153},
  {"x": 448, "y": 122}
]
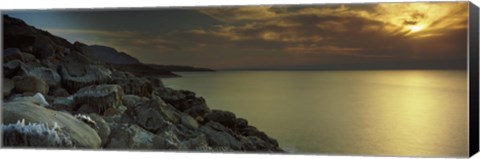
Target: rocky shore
[{"x": 56, "y": 94}]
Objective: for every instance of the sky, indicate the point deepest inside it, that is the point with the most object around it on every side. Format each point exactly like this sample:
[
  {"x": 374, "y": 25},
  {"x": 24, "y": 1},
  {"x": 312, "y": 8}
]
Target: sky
[{"x": 351, "y": 36}]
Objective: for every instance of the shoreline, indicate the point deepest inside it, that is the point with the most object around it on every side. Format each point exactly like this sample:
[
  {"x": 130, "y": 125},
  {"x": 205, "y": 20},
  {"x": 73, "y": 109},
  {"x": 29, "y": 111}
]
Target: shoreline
[{"x": 56, "y": 95}]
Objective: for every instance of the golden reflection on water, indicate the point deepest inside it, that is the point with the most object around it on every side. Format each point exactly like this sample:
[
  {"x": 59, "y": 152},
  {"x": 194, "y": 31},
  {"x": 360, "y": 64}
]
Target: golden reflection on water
[{"x": 383, "y": 113}]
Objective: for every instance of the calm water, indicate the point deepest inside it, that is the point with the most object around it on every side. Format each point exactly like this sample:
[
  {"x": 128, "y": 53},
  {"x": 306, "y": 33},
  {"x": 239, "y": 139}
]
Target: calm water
[{"x": 401, "y": 113}]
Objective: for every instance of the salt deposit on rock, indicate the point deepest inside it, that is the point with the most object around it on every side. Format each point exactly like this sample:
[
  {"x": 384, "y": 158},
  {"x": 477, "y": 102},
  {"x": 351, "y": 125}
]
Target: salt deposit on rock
[{"x": 34, "y": 134}]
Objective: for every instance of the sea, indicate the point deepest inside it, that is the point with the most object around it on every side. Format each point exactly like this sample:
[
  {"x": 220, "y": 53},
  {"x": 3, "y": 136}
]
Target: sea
[{"x": 361, "y": 113}]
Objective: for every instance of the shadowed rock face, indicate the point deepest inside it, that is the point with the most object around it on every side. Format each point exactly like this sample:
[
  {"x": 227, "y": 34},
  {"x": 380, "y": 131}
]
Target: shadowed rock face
[
  {"x": 10, "y": 54},
  {"x": 79, "y": 76},
  {"x": 30, "y": 84},
  {"x": 133, "y": 85},
  {"x": 97, "y": 105},
  {"x": 127, "y": 136},
  {"x": 51, "y": 77},
  {"x": 99, "y": 97}
]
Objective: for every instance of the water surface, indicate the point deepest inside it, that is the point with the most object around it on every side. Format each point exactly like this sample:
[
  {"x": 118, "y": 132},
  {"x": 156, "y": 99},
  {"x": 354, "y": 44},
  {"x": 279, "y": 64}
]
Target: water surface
[{"x": 382, "y": 113}]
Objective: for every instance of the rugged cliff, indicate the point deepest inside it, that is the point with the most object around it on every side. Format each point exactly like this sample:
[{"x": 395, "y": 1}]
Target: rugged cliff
[{"x": 56, "y": 94}]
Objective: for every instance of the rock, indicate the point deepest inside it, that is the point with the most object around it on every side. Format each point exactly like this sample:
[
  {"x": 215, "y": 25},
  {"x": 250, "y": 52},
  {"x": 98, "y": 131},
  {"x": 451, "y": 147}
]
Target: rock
[
  {"x": 11, "y": 68},
  {"x": 184, "y": 101},
  {"x": 199, "y": 108},
  {"x": 30, "y": 84},
  {"x": 168, "y": 139},
  {"x": 12, "y": 54},
  {"x": 188, "y": 121},
  {"x": 251, "y": 131},
  {"x": 40, "y": 99},
  {"x": 99, "y": 97},
  {"x": 15, "y": 54},
  {"x": 225, "y": 118},
  {"x": 163, "y": 143},
  {"x": 133, "y": 100},
  {"x": 198, "y": 143},
  {"x": 127, "y": 136},
  {"x": 58, "y": 92},
  {"x": 103, "y": 129},
  {"x": 253, "y": 143},
  {"x": 156, "y": 82},
  {"x": 7, "y": 87},
  {"x": 79, "y": 76},
  {"x": 34, "y": 135},
  {"x": 173, "y": 138},
  {"x": 51, "y": 77},
  {"x": 81, "y": 134},
  {"x": 63, "y": 104},
  {"x": 29, "y": 57},
  {"x": 151, "y": 117},
  {"x": 241, "y": 123},
  {"x": 43, "y": 48},
  {"x": 115, "y": 111},
  {"x": 219, "y": 137},
  {"x": 176, "y": 98},
  {"x": 135, "y": 86},
  {"x": 18, "y": 68}
]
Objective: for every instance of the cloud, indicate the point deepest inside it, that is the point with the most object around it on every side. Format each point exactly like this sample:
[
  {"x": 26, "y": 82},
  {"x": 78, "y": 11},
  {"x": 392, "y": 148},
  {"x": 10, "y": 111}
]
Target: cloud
[{"x": 313, "y": 34}]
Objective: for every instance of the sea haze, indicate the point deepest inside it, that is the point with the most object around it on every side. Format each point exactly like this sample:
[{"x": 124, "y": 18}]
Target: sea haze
[{"x": 393, "y": 112}]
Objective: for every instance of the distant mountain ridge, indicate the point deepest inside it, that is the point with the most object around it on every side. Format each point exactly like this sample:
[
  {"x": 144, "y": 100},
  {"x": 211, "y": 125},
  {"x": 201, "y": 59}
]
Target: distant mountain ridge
[
  {"x": 111, "y": 55},
  {"x": 123, "y": 61}
]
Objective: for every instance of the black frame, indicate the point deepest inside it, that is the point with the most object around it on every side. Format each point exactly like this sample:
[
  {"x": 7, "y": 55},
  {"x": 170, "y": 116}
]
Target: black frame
[{"x": 473, "y": 34}]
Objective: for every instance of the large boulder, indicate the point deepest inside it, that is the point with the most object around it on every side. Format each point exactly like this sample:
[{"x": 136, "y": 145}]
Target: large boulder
[
  {"x": 99, "y": 97},
  {"x": 177, "y": 99},
  {"x": 82, "y": 134},
  {"x": 30, "y": 84},
  {"x": 219, "y": 136},
  {"x": 198, "y": 109},
  {"x": 128, "y": 136},
  {"x": 15, "y": 54},
  {"x": 226, "y": 118},
  {"x": 51, "y": 77},
  {"x": 101, "y": 126},
  {"x": 19, "y": 68},
  {"x": 185, "y": 101},
  {"x": 155, "y": 115},
  {"x": 76, "y": 76},
  {"x": 136, "y": 86}
]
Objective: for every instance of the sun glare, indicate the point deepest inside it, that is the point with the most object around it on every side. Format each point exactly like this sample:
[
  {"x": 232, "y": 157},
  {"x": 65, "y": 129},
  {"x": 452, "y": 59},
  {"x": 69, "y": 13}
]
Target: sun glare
[{"x": 415, "y": 28}]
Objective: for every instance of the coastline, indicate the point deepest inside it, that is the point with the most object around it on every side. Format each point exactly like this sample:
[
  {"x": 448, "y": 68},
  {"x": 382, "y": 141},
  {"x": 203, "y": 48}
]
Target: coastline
[{"x": 57, "y": 96}]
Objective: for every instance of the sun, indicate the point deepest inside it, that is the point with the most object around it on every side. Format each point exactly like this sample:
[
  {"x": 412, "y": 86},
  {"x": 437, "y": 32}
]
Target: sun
[{"x": 415, "y": 28}]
